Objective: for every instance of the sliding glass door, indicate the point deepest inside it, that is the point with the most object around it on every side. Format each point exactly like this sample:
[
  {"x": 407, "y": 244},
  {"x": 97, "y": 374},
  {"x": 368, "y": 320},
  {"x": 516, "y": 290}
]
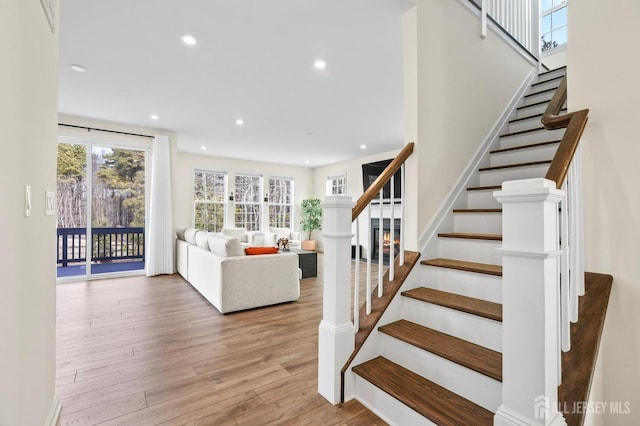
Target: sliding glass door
[{"x": 113, "y": 179}]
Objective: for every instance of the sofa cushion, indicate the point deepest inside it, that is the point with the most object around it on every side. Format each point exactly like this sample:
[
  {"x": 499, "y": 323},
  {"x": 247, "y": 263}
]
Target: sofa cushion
[
  {"x": 281, "y": 232},
  {"x": 225, "y": 246},
  {"x": 180, "y": 233},
  {"x": 239, "y": 233},
  {"x": 261, "y": 250},
  {"x": 190, "y": 235},
  {"x": 202, "y": 239}
]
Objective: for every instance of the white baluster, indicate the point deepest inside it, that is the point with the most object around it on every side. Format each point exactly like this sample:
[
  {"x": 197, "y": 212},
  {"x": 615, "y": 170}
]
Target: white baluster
[
  {"x": 369, "y": 253},
  {"x": 392, "y": 233},
  {"x": 380, "y": 247},
  {"x": 565, "y": 282},
  {"x": 356, "y": 286},
  {"x": 483, "y": 19},
  {"x": 402, "y": 199}
]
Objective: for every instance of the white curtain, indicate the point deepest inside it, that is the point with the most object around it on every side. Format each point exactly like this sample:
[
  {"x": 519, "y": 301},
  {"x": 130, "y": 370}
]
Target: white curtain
[{"x": 159, "y": 255}]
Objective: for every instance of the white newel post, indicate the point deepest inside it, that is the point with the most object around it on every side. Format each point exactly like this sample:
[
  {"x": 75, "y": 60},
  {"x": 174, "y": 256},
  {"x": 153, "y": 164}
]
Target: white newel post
[
  {"x": 336, "y": 339},
  {"x": 530, "y": 303}
]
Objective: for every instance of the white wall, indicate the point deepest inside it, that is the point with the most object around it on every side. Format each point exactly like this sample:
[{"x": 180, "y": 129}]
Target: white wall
[
  {"x": 555, "y": 59},
  {"x": 28, "y": 114},
  {"x": 185, "y": 164},
  {"x": 463, "y": 83},
  {"x": 608, "y": 85}
]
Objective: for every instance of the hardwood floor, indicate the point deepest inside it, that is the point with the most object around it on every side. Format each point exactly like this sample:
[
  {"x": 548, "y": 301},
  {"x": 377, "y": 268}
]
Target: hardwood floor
[{"x": 149, "y": 351}]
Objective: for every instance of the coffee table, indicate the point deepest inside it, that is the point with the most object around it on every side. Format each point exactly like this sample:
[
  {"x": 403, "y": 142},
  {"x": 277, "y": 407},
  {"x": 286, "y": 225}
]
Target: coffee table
[{"x": 307, "y": 261}]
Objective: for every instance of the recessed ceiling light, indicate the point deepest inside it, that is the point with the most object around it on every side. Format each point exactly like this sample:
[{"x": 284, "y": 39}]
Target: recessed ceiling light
[
  {"x": 77, "y": 67},
  {"x": 189, "y": 40},
  {"x": 363, "y": 146},
  {"x": 320, "y": 64},
  {"x": 203, "y": 147},
  {"x": 307, "y": 161},
  {"x": 239, "y": 122},
  {"x": 154, "y": 117}
]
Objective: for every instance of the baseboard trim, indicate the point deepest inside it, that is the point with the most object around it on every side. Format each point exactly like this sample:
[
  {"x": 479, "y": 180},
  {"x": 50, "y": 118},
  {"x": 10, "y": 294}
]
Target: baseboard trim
[
  {"x": 54, "y": 412},
  {"x": 462, "y": 182}
]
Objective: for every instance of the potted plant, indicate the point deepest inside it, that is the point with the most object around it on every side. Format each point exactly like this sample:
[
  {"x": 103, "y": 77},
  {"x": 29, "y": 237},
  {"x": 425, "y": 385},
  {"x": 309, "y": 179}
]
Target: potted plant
[{"x": 311, "y": 220}]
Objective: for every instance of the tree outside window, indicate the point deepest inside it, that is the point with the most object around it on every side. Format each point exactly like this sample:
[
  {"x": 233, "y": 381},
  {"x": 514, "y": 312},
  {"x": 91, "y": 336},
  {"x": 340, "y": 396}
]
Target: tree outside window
[
  {"x": 208, "y": 200},
  {"x": 247, "y": 202},
  {"x": 280, "y": 202}
]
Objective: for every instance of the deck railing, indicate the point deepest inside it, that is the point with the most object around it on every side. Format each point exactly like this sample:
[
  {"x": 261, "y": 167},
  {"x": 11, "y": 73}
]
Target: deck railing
[{"x": 107, "y": 244}]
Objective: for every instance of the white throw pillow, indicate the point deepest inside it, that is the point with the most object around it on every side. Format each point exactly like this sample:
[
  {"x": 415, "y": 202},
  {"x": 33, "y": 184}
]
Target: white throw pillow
[
  {"x": 180, "y": 232},
  {"x": 202, "y": 239},
  {"x": 190, "y": 235},
  {"x": 239, "y": 233},
  {"x": 281, "y": 233},
  {"x": 225, "y": 246}
]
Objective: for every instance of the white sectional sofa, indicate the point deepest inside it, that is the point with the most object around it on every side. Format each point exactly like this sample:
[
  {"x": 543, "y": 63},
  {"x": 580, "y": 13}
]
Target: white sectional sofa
[{"x": 216, "y": 266}]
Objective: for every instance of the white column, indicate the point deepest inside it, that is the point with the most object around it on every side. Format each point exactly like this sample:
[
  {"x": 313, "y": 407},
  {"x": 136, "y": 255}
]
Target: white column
[
  {"x": 530, "y": 286},
  {"x": 336, "y": 339}
]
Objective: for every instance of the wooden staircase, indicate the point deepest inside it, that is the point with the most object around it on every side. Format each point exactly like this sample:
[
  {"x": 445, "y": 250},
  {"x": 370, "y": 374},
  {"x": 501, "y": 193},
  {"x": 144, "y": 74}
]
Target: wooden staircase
[{"x": 441, "y": 362}]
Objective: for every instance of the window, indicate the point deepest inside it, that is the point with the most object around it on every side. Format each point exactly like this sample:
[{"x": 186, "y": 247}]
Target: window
[
  {"x": 208, "y": 200},
  {"x": 247, "y": 202},
  {"x": 337, "y": 185},
  {"x": 553, "y": 24},
  {"x": 280, "y": 202}
]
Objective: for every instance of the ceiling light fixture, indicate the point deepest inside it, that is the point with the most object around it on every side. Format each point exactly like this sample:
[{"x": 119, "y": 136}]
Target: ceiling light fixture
[
  {"x": 78, "y": 68},
  {"x": 239, "y": 122},
  {"x": 307, "y": 161},
  {"x": 154, "y": 117},
  {"x": 203, "y": 147},
  {"x": 363, "y": 146},
  {"x": 320, "y": 64},
  {"x": 189, "y": 40}
]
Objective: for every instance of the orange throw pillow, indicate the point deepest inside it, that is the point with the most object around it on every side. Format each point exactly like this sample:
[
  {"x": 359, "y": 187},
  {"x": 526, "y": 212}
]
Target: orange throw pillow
[{"x": 261, "y": 250}]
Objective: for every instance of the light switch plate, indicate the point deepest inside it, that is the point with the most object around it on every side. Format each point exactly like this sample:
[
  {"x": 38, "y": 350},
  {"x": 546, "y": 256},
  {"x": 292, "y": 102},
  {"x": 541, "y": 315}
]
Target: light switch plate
[
  {"x": 27, "y": 200},
  {"x": 49, "y": 203}
]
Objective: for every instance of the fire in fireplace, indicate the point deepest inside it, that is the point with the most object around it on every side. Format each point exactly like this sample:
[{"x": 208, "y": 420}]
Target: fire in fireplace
[{"x": 385, "y": 232}]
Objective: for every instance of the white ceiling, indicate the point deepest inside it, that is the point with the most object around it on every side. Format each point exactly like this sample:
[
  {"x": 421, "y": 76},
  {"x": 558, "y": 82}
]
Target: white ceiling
[{"x": 253, "y": 60}]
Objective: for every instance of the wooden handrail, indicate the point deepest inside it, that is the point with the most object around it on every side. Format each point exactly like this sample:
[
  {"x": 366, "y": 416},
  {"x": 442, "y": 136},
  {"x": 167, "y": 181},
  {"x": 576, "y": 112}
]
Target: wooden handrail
[
  {"x": 574, "y": 123},
  {"x": 381, "y": 181}
]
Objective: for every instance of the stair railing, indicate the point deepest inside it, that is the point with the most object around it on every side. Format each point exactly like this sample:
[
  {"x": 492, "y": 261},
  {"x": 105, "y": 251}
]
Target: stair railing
[
  {"x": 543, "y": 274},
  {"x": 341, "y": 320}
]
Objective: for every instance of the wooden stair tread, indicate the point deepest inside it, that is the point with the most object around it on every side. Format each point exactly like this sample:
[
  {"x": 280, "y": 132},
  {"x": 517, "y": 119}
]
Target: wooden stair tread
[
  {"x": 531, "y": 145},
  {"x": 520, "y": 132},
  {"x": 425, "y": 397},
  {"x": 533, "y": 104},
  {"x": 475, "y": 357},
  {"x": 529, "y": 117},
  {"x": 541, "y": 91},
  {"x": 484, "y": 188},
  {"x": 462, "y": 265},
  {"x": 477, "y": 210},
  {"x": 511, "y": 166},
  {"x": 553, "y": 70},
  {"x": 379, "y": 305},
  {"x": 546, "y": 81},
  {"x": 578, "y": 365},
  {"x": 471, "y": 236},
  {"x": 470, "y": 305}
]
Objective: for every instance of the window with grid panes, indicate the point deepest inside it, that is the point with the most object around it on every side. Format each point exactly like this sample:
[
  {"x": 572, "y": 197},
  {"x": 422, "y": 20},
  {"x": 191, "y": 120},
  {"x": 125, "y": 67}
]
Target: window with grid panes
[
  {"x": 208, "y": 200},
  {"x": 553, "y": 24},
  {"x": 280, "y": 202},
  {"x": 247, "y": 201},
  {"x": 337, "y": 185}
]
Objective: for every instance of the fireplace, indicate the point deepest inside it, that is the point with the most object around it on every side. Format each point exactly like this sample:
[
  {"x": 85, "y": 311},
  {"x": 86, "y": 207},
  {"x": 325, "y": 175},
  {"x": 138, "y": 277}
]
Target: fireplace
[{"x": 385, "y": 233}]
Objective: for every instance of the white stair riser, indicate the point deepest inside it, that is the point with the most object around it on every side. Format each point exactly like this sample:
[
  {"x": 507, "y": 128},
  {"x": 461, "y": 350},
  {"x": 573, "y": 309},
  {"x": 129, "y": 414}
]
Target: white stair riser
[
  {"x": 548, "y": 84},
  {"x": 517, "y": 156},
  {"x": 553, "y": 74},
  {"x": 531, "y": 110},
  {"x": 482, "y": 199},
  {"x": 496, "y": 177},
  {"x": 467, "y": 383},
  {"x": 538, "y": 97},
  {"x": 480, "y": 286},
  {"x": 520, "y": 139},
  {"x": 481, "y": 223},
  {"x": 470, "y": 250},
  {"x": 472, "y": 328},
  {"x": 387, "y": 407},
  {"x": 529, "y": 123}
]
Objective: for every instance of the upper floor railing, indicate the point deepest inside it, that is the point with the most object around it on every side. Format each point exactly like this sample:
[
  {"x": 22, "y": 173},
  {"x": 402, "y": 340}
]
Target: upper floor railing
[{"x": 107, "y": 244}]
